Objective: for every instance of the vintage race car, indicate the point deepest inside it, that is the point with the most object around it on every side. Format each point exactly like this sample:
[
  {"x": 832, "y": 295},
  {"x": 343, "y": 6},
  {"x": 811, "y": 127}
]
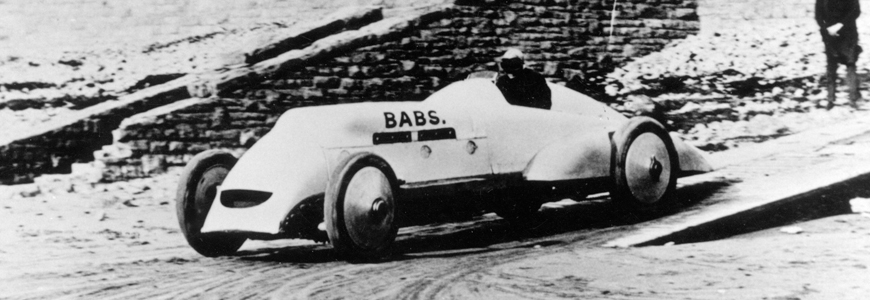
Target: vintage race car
[{"x": 341, "y": 172}]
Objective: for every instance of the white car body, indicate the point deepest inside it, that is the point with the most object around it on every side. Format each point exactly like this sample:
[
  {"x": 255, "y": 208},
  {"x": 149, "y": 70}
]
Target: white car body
[{"x": 464, "y": 135}]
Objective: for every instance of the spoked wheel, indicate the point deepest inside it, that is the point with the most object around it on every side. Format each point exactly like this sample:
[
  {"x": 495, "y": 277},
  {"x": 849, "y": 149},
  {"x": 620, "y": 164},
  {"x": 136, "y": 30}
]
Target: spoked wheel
[
  {"x": 196, "y": 192},
  {"x": 645, "y": 173},
  {"x": 360, "y": 208}
]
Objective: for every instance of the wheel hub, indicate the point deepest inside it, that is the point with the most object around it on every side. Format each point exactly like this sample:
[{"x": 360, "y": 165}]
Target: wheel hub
[
  {"x": 655, "y": 169},
  {"x": 379, "y": 210}
]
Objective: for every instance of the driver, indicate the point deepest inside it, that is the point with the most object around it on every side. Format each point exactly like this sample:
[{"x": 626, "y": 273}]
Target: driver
[{"x": 519, "y": 85}]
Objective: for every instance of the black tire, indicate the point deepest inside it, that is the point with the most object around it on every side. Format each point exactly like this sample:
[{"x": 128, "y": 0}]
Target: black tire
[
  {"x": 362, "y": 227},
  {"x": 645, "y": 167},
  {"x": 196, "y": 192}
]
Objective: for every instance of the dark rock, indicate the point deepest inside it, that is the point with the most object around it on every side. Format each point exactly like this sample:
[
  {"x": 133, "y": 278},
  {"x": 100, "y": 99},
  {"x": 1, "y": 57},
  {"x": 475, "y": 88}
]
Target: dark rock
[
  {"x": 27, "y": 85},
  {"x": 152, "y": 80},
  {"x": 80, "y": 102},
  {"x": 748, "y": 87},
  {"x": 71, "y": 62},
  {"x": 22, "y": 104}
]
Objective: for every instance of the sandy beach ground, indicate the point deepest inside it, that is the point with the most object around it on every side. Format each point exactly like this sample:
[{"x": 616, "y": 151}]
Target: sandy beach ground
[{"x": 121, "y": 240}]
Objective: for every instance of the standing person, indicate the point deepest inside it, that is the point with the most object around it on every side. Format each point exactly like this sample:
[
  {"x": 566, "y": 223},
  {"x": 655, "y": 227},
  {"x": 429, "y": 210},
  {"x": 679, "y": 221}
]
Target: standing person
[
  {"x": 836, "y": 20},
  {"x": 522, "y": 86}
]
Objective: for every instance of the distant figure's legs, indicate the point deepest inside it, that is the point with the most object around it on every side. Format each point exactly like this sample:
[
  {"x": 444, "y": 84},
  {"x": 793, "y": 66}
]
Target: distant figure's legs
[
  {"x": 832, "y": 79},
  {"x": 852, "y": 80}
]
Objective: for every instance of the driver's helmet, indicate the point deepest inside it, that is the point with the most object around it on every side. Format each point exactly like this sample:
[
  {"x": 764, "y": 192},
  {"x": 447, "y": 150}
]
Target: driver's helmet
[{"x": 512, "y": 60}]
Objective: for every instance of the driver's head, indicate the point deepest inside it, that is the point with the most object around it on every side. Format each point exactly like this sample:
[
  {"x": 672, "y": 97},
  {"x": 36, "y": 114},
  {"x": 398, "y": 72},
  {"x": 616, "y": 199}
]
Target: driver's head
[{"x": 512, "y": 60}]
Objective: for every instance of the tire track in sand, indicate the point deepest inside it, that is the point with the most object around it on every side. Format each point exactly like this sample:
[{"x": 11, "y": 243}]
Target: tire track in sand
[{"x": 431, "y": 260}]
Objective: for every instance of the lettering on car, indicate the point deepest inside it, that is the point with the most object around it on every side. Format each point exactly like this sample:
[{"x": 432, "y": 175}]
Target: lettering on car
[
  {"x": 405, "y": 119},
  {"x": 410, "y": 120}
]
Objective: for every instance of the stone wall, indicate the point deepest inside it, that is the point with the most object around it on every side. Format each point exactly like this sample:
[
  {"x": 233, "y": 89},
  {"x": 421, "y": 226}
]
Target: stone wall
[
  {"x": 566, "y": 40},
  {"x": 56, "y": 148}
]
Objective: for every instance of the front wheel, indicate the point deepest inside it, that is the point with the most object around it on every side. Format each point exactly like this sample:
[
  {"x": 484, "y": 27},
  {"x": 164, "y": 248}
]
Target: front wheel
[
  {"x": 360, "y": 208},
  {"x": 645, "y": 173},
  {"x": 197, "y": 189}
]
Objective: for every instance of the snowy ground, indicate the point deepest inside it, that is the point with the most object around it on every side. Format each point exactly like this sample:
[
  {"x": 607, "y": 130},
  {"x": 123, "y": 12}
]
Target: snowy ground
[{"x": 748, "y": 82}]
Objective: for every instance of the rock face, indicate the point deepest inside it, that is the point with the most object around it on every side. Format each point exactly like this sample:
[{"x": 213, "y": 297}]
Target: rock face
[{"x": 406, "y": 56}]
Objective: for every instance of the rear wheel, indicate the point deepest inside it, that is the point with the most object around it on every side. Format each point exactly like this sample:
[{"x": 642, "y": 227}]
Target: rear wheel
[
  {"x": 360, "y": 208},
  {"x": 196, "y": 192},
  {"x": 645, "y": 173}
]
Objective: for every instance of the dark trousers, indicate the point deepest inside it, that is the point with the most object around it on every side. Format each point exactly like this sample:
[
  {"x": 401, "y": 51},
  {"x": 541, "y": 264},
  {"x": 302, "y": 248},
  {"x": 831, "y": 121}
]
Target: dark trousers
[
  {"x": 851, "y": 80},
  {"x": 842, "y": 50}
]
